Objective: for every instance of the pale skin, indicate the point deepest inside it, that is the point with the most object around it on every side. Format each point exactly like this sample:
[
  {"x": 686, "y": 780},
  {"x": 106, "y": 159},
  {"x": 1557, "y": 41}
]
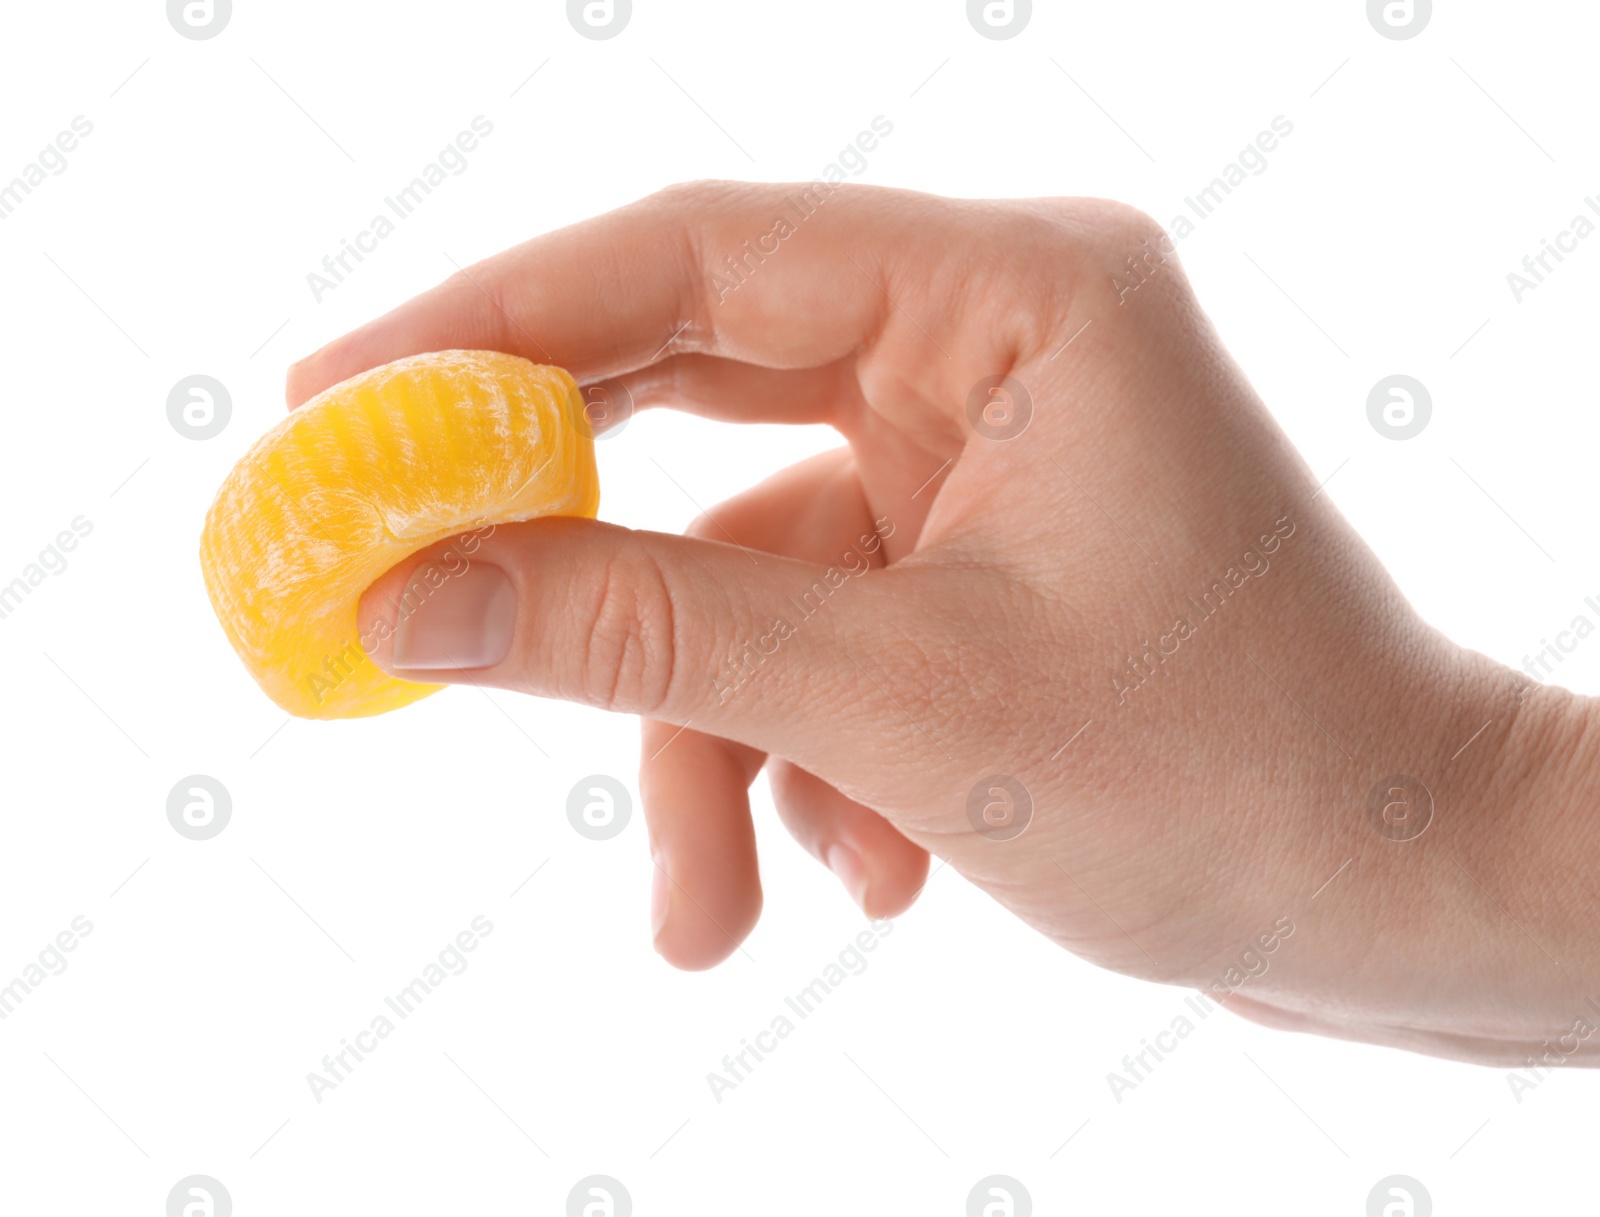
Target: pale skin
[{"x": 1176, "y": 816}]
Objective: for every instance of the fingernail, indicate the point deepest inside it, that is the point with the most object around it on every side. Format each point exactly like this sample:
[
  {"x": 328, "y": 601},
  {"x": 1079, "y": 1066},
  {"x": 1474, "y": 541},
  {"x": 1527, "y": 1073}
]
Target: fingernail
[
  {"x": 660, "y": 894},
  {"x": 464, "y": 622},
  {"x": 846, "y": 863}
]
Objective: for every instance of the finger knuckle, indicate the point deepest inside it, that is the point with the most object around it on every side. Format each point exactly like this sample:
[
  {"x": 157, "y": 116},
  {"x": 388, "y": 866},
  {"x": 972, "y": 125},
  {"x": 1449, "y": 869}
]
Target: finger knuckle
[
  {"x": 630, "y": 658},
  {"x": 1111, "y": 218},
  {"x": 1125, "y": 242},
  {"x": 704, "y": 528},
  {"x": 697, "y": 194}
]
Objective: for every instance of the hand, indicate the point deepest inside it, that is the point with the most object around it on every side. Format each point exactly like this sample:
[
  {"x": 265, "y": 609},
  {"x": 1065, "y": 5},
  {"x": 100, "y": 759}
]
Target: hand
[{"x": 1068, "y": 612}]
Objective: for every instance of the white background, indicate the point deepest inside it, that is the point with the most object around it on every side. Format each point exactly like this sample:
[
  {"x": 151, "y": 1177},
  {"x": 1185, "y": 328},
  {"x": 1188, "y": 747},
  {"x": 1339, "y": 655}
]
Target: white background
[{"x": 177, "y": 241}]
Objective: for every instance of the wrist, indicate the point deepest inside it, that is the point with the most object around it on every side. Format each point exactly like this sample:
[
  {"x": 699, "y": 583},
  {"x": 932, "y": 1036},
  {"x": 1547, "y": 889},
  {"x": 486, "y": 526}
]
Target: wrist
[
  {"x": 1503, "y": 897},
  {"x": 1453, "y": 895},
  {"x": 1536, "y": 842}
]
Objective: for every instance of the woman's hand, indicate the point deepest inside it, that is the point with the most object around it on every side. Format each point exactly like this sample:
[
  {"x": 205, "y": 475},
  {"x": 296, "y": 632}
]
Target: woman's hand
[{"x": 1068, "y": 612}]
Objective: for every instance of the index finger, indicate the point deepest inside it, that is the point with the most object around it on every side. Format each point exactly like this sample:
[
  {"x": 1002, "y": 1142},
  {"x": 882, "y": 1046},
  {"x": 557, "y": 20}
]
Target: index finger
[{"x": 783, "y": 276}]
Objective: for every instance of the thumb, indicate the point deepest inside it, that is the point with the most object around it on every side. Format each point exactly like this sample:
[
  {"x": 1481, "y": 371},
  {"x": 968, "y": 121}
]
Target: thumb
[{"x": 747, "y": 645}]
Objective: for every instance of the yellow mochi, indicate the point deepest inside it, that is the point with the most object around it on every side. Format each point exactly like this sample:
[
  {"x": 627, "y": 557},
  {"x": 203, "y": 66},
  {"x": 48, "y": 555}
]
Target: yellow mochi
[{"x": 364, "y": 475}]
